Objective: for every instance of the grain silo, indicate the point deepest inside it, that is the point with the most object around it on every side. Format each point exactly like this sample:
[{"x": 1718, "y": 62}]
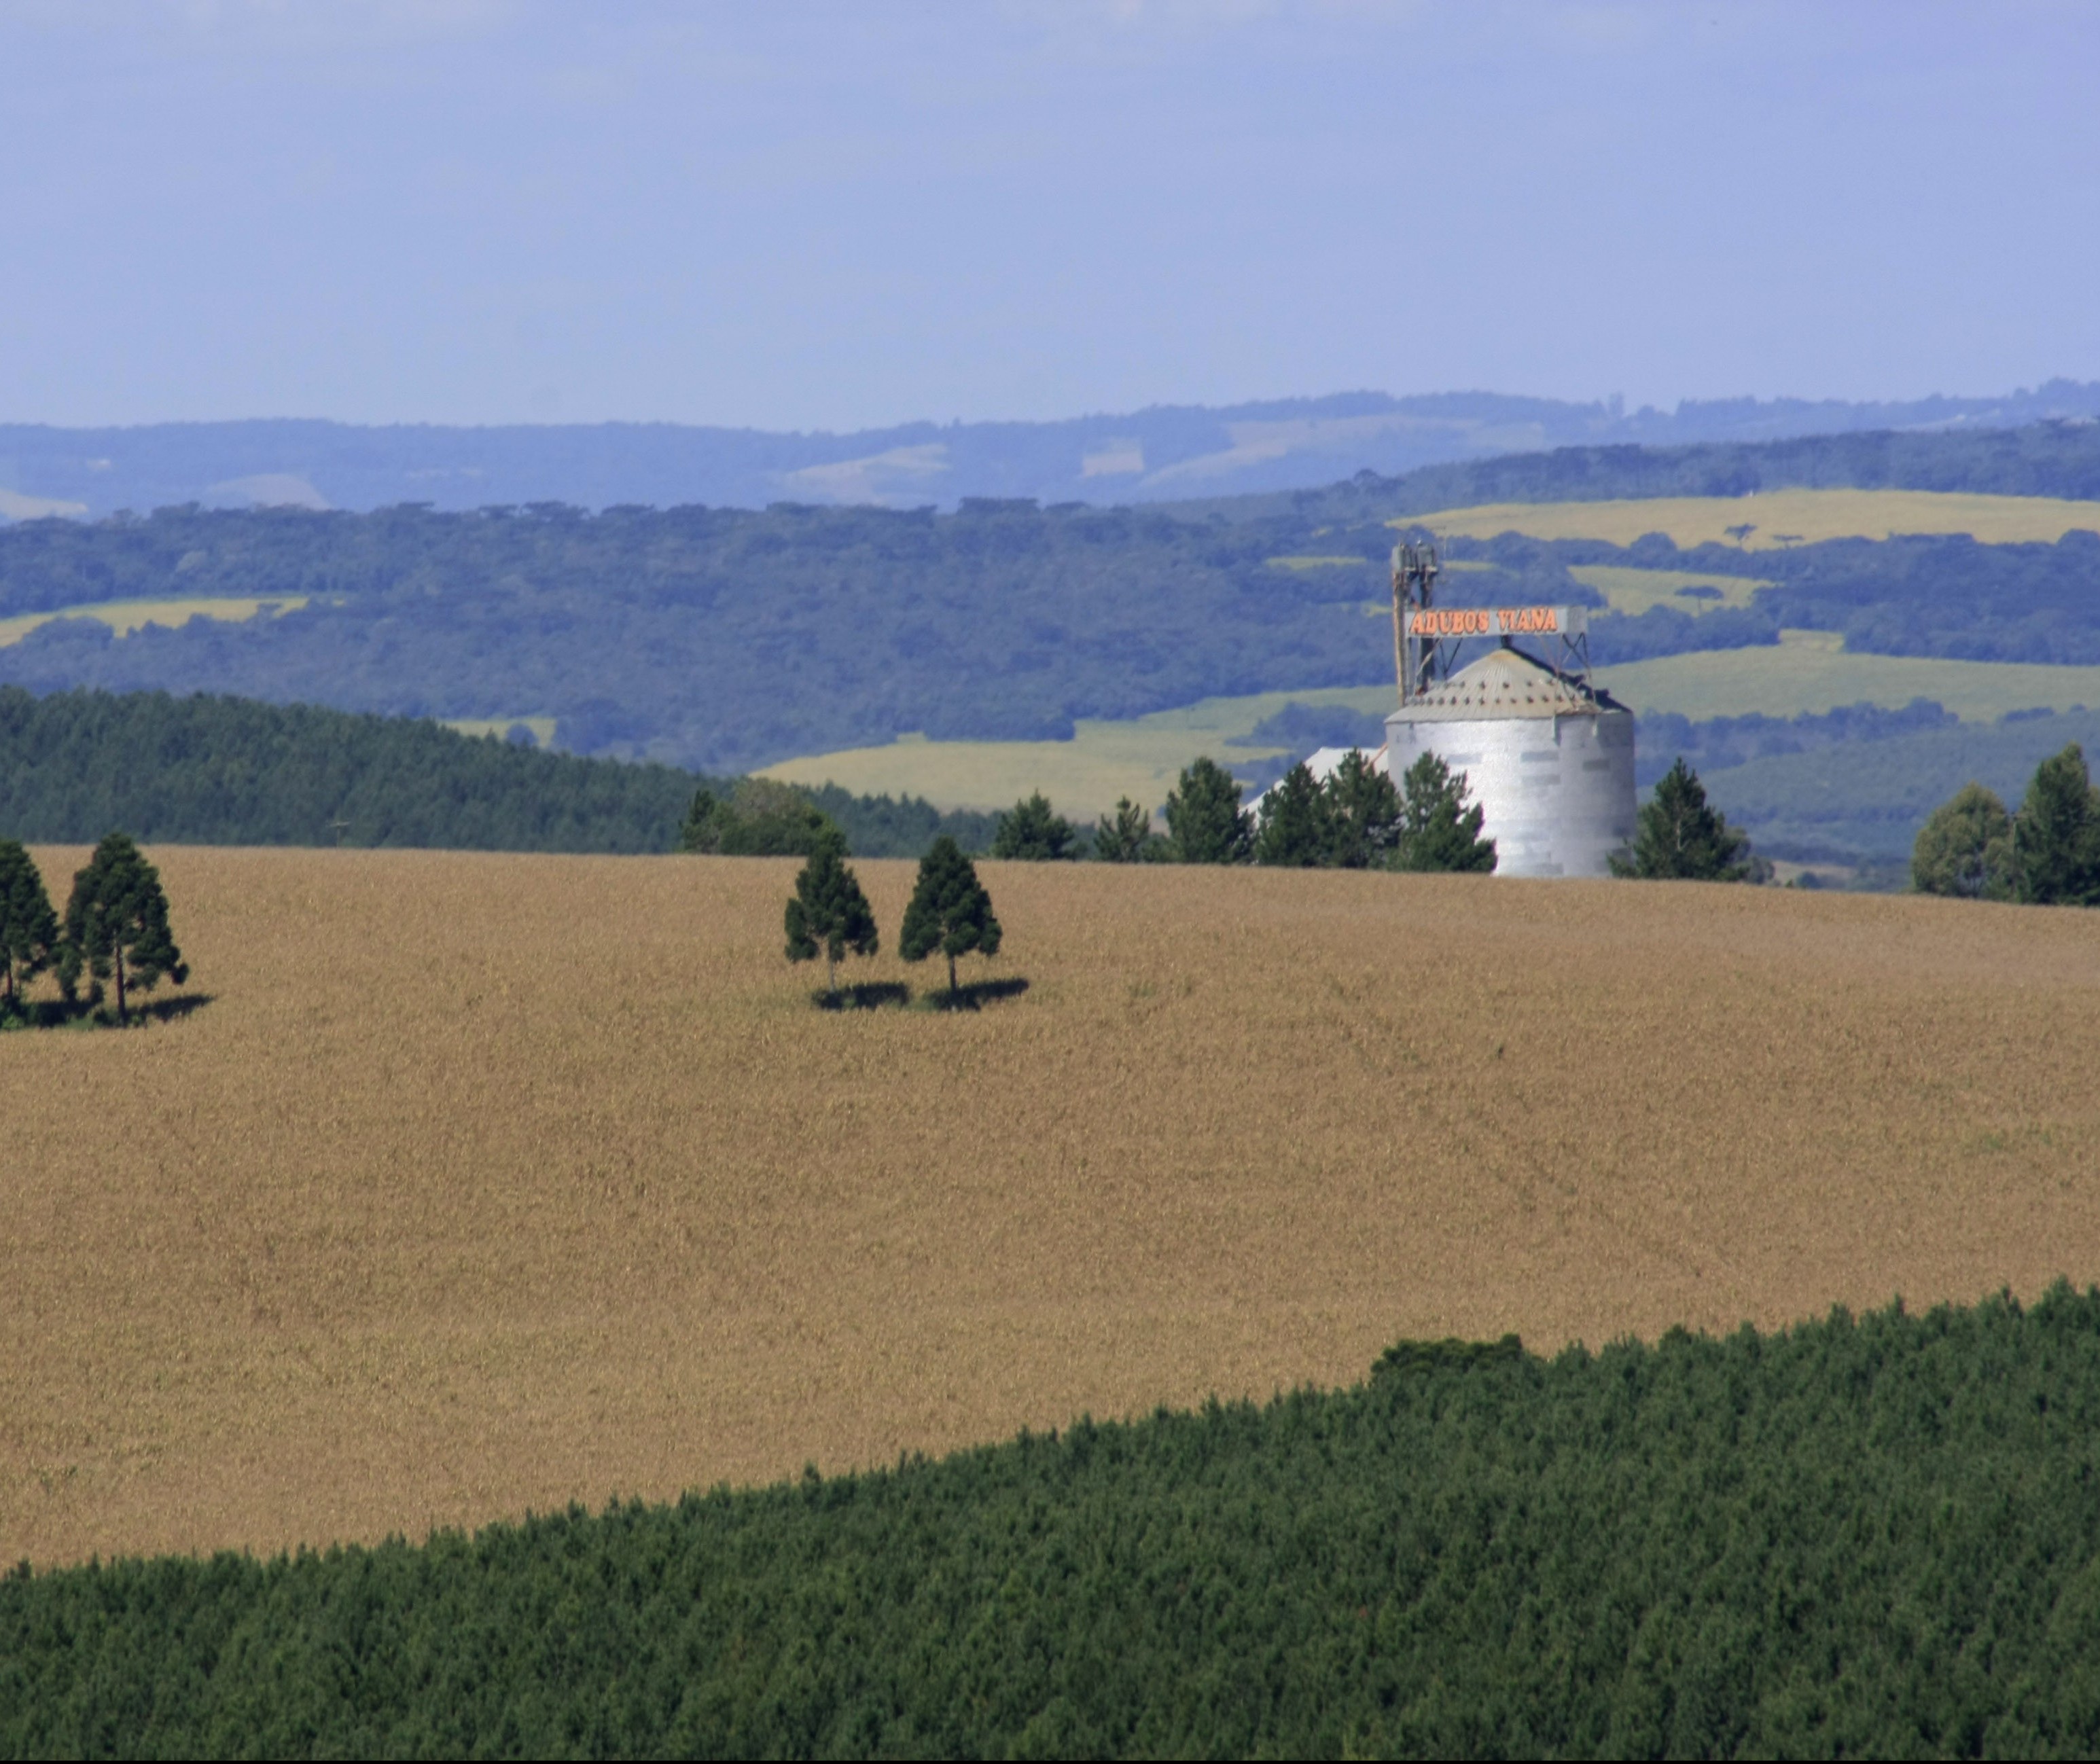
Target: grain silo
[{"x": 1547, "y": 754}]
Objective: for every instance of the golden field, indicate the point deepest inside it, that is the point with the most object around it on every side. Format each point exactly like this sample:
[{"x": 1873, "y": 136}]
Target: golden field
[
  {"x": 126, "y": 616},
  {"x": 488, "y": 1183},
  {"x": 1777, "y": 518}
]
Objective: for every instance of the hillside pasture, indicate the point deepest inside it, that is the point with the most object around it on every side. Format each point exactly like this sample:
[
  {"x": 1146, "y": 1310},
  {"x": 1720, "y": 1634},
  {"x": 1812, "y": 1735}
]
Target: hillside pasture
[
  {"x": 486, "y": 1183},
  {"x": 1633, "y": 591},
  {"x": 1777, "y": 518},
  {"x": 1812, "y": 671}
]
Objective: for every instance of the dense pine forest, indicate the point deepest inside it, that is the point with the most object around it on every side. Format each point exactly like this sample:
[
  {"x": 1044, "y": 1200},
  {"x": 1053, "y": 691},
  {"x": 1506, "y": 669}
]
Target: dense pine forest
[
  {"x": 1861, "y": 1536},
  {"x": 221, "y": 771},
  {"x": 720, "y": 640}
]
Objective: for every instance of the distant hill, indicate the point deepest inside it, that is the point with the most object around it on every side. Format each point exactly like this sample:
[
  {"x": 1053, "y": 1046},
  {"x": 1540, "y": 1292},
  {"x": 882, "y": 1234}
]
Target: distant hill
[
  {"x": 1162, "y": 453},
  {"x": 220, "y": 771},
  {"x": 723, "y": 640}
]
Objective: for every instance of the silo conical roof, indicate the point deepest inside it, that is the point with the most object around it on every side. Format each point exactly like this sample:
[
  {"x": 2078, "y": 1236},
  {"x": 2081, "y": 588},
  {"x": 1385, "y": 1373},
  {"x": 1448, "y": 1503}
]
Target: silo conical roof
[{"x": 1507, "y": 683}]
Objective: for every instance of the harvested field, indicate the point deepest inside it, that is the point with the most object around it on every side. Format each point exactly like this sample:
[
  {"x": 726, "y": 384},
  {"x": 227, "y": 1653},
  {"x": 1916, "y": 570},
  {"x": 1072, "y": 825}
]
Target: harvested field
[{"x": 486, "y": 1183}]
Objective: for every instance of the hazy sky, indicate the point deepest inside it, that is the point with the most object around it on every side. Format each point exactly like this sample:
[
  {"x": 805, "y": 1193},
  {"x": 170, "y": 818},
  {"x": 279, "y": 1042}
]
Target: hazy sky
[{"x": 840, "y": 216}]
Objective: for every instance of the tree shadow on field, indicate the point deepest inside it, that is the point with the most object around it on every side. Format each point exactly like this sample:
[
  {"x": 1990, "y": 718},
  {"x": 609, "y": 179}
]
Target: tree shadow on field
[
  {"x": 975, "y": 996},
  {"x": 90, "y": 1013},
  {"x": 868, "y": 995}
]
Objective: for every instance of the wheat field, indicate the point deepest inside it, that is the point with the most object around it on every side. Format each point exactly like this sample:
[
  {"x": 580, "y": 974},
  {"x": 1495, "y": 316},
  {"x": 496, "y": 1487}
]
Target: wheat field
[
  {"x": 484, "y": 1184},
  {"x": 1776, "y": 517}
]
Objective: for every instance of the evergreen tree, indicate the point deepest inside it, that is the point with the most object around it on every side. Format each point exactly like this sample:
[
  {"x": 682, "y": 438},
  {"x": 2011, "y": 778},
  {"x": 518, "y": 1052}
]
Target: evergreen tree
[
  {"x": 1205, "y": 823},
  {"x": 1966, "y": 849},
  {"x": 1364, "y": 812},
  {"x": 1296, "y": 820},
  {"x": 2056, "y": 841},
  {"x": 1127, "y": 837},
  {"x": 950, "y": 909},
  {"x": 828, "y": 910},
  {"x": 1033, "y": 832},
  {"x": 761, "y": 817},
  {"x": 116, "y": 922},
  {"x": 28, "y": 928},
  {"x": 1681, "y": 838},
  {"x": 1436, "y": 830}
]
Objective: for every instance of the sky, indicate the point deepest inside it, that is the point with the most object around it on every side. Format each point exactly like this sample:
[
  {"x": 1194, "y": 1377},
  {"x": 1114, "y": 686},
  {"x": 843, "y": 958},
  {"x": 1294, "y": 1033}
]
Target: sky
[{"x": 792, "y": 216}]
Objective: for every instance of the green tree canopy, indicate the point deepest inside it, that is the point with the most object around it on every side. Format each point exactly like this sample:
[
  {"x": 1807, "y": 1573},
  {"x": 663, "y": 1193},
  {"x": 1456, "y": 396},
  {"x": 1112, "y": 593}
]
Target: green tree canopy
[
  {"x": 1966, "y": 849},
  {"x": 828, "y": 911},
  {"x": 1205, "y": 823},
  {"x": 1127, "y": 835},
  {"x": 950, "y": 909},
  {"x": 116, "y": 922},
  {"x": 760, "y": 817},
  {"x": 28, "y": 928},
  {"x": 1436, "y": 830},
  {"x": 1364, "y": 821},
  {"x": 2056, "y": 841},
  {"x": 1294, "y": 822},
  {"x": 1681, "y": 838},
  {"x": 1034, "y": 832}
]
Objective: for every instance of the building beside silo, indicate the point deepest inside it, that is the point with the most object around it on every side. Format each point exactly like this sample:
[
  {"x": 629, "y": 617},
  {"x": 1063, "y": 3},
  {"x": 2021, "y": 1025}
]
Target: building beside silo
[{"x": 1548, "y": 755}]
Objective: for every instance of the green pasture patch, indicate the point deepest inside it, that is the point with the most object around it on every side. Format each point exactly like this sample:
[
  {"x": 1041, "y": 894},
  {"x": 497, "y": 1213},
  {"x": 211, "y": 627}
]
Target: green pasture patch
[
  {"x": 542, "y": 727},
  {"x": 1633, "y": 592},
  {"x": 1812, "y": 671}
]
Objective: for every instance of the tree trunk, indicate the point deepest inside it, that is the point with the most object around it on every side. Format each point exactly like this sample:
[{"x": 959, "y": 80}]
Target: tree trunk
[
  {"x": 832, "y": 975},
  {"x": 120, "y": 986},
  {"x": 952, "y": 976}
]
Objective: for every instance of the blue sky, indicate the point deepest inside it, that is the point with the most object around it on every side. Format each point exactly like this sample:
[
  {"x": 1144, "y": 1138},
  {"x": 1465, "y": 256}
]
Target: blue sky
[{"x": 792, "y": 216}]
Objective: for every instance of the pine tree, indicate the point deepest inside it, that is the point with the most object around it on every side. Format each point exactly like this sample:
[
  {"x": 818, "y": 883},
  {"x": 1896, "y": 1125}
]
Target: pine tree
[
  {"x": 28, "y": 928},
  {"x": 1296, "y": 823},
  {"x": 1364, "y": 812},
  {"x": 1127, "y": 837},
  {"x": 828, "y": 910},
  {"x": 949, "y": 910},
  {"x": 116, "y": 922},
  {"x": 1205, "y": 823},
  {"x": 1033, "y": 832},
  {"x": 2056, "y": 839},
  {"x": 1966, "y": 849},
  {"x": 1681, "y": 838},
  {"x": 1436, "y": 830}
]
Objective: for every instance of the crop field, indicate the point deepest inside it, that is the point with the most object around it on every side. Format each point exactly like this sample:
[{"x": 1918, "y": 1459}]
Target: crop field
[
  {"x": 487, "y": 1183},
  {"x": 1808, "y": 671},
  {"x": 1139, "y": 758},
  {"x": 1812, "y": 671},
  {"x": 1777, "y": 516},
  {"x": 126, "y": 616},
  {"x": 1634, "y": 592}
]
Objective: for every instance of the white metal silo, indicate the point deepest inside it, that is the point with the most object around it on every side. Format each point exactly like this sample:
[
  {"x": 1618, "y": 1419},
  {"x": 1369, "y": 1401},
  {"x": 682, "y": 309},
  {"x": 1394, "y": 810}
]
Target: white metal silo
[{"x": 1548, "y": 757}]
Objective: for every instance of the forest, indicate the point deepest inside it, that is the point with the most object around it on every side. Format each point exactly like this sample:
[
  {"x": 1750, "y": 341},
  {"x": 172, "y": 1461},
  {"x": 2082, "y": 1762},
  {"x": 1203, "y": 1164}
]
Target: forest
[
  {"x": 720, "y": 640},
  {"x": 1867, "y": 1535},
  {"x": 221, "y": 771}
]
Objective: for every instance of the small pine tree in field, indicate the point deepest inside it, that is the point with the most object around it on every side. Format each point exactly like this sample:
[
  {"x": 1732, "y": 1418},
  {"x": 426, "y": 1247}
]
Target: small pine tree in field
[
  {"x": 1683, "y": 838},
  {"x": 1966, "y": 849},
  {"x": 949, "y": 910},
  {"x": 1436, "y": 830},
  {"x": 1364, "y": 812},
  {"x": 828, "y": 912},
  {"x": 2056, "y": 838},
  {"x": 28, "y": 928},
  {"x": 1033, "y": 832},
  {"x": 116, "y": 923},
  {"x": 1296, "y": 826},
  {"x": 1126, "y": 836},
  {"x": 1205, "y": 823}
]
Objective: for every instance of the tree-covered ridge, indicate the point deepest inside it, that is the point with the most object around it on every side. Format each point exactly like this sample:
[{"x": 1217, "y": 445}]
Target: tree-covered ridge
[
  {"x": 1860, "y": 1535},
  {"x": 223, "y": 771},
  {"x": 725, "y": 639}
]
